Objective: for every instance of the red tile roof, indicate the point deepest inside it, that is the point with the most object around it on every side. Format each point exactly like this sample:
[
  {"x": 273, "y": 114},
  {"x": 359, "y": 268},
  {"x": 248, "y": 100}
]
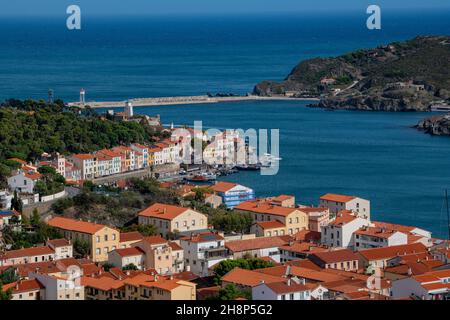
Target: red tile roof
[
  {"x": 57, "y": 243},
  {"x": 163, "y": 211},
  {"x": 23, "y": 286},
  {"x": 257, "y": 243},
  {"x": 223, "y": 186},
  {"x": 275, "y": 224},
  {"x": 307, "y": 235},
  {"x": 335, "y": 256},
  {"x": 391, "y": 252},
  {"x": 28, "y": 252},
  {"x": 336, "y": 197},
  {"x": 203, "y": 237},
  {"x": 248, "y": 278},
  {"x": 262, "y": 206},
  {"x": 127, "y": 252},
  {"x": 75, "y": 225},
  {"x": 286, "y": 286},
  {"x": 130, "y": 236}
]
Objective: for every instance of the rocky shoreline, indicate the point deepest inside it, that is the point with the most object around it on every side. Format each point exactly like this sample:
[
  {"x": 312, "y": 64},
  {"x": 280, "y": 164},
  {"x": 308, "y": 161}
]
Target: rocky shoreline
[{"x": 436, "y": 125}]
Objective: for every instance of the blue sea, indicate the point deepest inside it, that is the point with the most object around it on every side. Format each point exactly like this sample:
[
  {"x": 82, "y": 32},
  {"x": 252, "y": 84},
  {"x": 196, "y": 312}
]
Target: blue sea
[{"x": 373, "y": 155}]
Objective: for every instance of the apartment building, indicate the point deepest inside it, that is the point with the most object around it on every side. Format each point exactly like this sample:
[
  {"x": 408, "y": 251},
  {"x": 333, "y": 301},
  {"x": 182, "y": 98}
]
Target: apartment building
[
  {"x": 24, "y": 181},
  {"x": 373, "y": 237},
  {"x": 288, "y": 289},
  {"x": 338, "y": 202},
  {"x": 202, "y": 251},
  {"x": 257, "y": 248},
  {"x": 87, "y": 163},
  {"x": 272, "y": 220},
  {"x": 29, "y": 255},
  {"x": 59, "y": 288},
  {"x": 433, "y": 285},
  {"x": 143, "y": 152},
  {"x": 23, "y": 290},
  {"x": 232, "y": 194},
  {"x": 161, "y": 255},
  {"x": 114, "y": 162},
  {"x": 171, "y": 219},
  {"x": 101, "y": 238},
  {"x": 317, "y": 217},
  {"x": 121, "y": 258},
  {"x": 344, "y": 259},
  {"x": 155, "y": 287},
  {"x": 339, "y": 232}
]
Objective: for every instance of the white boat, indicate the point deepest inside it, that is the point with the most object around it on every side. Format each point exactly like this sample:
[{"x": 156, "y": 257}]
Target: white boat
[{"x": 440, "y": 108}]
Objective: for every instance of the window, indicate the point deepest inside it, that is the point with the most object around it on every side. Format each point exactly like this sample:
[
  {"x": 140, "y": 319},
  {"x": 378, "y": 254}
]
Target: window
[
  {"x": 114, "y": 236},
  {"x": 97, "y": 251},
  {"x": 297, "y": 220},
  {"x": 283, "y": 297},
  {"x": 291, "y": 296},
  {"x": 106, "y": 237},
  {"x": 185, "y": 223},
  {"x": 105, "y": 249},
  {"x": 98, "y": 239},
  {"x": 176, "y": 225},
  {"x": 193, "y": 222}
]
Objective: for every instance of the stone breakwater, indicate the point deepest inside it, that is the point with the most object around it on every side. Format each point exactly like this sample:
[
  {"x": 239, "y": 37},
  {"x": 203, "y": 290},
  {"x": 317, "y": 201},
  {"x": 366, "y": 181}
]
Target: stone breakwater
[{"x": 161, "y": 101}]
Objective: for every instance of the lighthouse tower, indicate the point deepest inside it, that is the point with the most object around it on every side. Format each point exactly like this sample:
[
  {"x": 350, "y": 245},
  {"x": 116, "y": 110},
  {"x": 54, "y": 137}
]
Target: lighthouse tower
[
  {"x": 129, "y": 109},
  {"x": 82, "y": 97}
]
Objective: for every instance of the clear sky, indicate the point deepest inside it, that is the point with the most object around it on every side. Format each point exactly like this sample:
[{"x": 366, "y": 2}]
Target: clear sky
[{"x": 148, "y": 7}]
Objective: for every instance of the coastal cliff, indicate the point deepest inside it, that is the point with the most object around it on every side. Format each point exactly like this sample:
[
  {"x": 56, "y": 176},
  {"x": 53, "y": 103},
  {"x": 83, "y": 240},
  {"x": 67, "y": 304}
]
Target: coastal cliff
[
  {"x": 437, "y": 125},
  {"x": 402, "y": 76}
]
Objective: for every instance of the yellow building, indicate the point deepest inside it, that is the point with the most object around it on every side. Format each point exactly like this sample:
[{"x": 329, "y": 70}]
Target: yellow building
[
  {"x": 170, "y": 219},
  {"x": 101, "y": 238},
  {"x": 154, "y": 287},
  {"x": 271, "y": 219}
]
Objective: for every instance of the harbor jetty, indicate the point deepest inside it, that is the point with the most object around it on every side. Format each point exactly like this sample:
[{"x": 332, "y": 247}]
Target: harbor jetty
[{"x": 161, "y": 101}]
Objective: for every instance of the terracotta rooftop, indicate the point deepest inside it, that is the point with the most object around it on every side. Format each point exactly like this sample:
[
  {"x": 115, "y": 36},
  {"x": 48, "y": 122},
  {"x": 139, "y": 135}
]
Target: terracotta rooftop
[
  {"x": 307, "y": 235},
  {"x": 263, "y": 206},
  {"x": 337, "y": 197},
  {"x": 83, "y": 156},
  {"x": 265, "y": 225},
  {"x": 335, "y": 256},
  {"x": 303, "y": 247},
  {"x": 222, "y": 186},
  {"x": 163, "y": 211},
  {"x": 130, "y": 236},
  {"x": 393, "y": 251},
  {"x": 286, "y": 286},
  {"x": 57, "y": 243},
  {"x": 203, "y": 237},
  {"x": 256, "y": 243},
  {"x": 102, "y": 283},
  {"x": 300, "y": 272},
  {"x": 152, "y": 240},
  {"x": 375, "y": 232},
  {"x": 75, "y": 225},
  {"x": 23, "y": 286},
  {"x": 248, "y": 278},
  {"x": 28, "y": 252},
  {"x": 127, "y": 252}
]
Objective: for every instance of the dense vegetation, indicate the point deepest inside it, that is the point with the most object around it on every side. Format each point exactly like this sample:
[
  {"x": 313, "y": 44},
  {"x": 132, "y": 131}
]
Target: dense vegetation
[
  {"x": 225, "y": 266},
  {"x": 29, "y": 128}
]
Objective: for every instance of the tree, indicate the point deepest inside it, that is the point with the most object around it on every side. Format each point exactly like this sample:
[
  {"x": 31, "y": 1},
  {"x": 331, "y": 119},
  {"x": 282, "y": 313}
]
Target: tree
[
  {"x": 107, "y": 266},
  {"x": 35, "y": 218},
  {"x": 130, "y": 266},
  {"x": 8, "y": 276},
  {"x": 16, "y": 203},
  {"x": 81, "y": 248},
  {"x": 225, "y": 266},
  {"x": 5, "y": 295},
  {"x": 145, "y": 230},
  {"x": 230, "y": 292}
]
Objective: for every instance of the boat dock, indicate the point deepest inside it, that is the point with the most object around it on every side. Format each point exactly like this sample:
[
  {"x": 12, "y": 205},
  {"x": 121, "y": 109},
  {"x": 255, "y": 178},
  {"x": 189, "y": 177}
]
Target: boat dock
[{"x": 161, "y": 101}]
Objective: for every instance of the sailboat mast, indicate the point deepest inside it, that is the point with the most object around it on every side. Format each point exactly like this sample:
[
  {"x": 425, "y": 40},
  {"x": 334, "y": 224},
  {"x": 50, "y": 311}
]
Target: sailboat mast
[{"x": 448, "y": 213}]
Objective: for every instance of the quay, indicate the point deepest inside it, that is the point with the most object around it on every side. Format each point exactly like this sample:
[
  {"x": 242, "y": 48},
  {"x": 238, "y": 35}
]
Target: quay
[{"x": 161, "y": 101}]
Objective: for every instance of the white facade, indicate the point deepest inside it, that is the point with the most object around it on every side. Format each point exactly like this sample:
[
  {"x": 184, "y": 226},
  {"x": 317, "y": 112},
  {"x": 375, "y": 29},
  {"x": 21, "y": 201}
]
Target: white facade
[
  {"x": 363, "y": 241},
  {"x": 120, "y": 261},
  {"x": 358, "y": 205},
  {"x": 200, "y": 256},
  {"x": 21, "y": 183},
  {"x": 264, "y": 292},
  {"x": 5, "y": 200},
  {"x": 59, "y": 288},
  {"x": 342, "y": 235}
]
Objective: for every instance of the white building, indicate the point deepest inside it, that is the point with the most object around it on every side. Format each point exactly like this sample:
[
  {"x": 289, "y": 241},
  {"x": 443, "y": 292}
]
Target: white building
[
  {"x": 433, "y": 285},
  {"x": 203, "y": 251},
  {"x": 289, "y": 289},
  {"x": 24, "y": 182},
  {"x": 339, "y": 233},
  {"x": 63, "y": 248},
  {"x": 66, "y": 287},
  {"x": 87, "y": 163},
  {"x": 373, "y": 237},
  {"x": 338, "y": 202},
  {"x": 5, "y": 200},
  {"x": 129, "y": 256}
]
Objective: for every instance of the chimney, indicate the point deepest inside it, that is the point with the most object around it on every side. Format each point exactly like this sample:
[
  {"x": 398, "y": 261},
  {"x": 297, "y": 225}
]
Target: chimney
[
  {"x": 409, "y": 271},
  {"x": 289, "y": 282}
]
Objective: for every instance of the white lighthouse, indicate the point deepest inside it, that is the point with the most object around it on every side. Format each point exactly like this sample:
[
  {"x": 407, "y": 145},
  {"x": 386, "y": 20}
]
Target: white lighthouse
[
  {"x": 82, "y": 96},
  {"x": 129, "y": 109}
]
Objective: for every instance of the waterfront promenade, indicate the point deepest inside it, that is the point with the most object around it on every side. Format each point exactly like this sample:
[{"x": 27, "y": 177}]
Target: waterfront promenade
[{"x": 161, "y": 101}]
